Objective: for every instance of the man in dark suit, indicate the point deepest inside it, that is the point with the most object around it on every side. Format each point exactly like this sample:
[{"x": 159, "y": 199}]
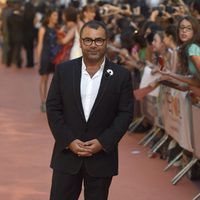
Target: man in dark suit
[
  {"x": 89, "y": 108},
  {"x": 15, "y": 30}
]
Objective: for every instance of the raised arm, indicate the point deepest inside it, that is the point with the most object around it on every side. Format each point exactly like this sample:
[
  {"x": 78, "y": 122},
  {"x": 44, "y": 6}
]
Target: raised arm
[
  {"x": 185, "y": 79},
  {"x": 69, "y": 36}
]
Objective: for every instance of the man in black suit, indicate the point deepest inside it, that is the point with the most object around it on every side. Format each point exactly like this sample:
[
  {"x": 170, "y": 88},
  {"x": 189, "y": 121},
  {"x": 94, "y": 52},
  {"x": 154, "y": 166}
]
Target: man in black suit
[
  {"x": 15, "y": 30},
  {"x": 89, "y": 108}
]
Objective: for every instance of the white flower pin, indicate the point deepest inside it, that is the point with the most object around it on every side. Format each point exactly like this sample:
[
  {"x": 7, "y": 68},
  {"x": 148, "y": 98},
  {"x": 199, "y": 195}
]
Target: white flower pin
[{"x": 110, "y": 72}]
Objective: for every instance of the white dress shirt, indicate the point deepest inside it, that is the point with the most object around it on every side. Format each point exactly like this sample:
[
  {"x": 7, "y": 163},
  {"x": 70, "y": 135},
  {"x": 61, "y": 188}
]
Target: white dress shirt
[{"x": 89, "y": 88}]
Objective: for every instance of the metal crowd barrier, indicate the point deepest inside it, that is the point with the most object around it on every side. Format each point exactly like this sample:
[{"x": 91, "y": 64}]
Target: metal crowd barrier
[
  {"x": 196, "y": 135},
  {"x": 173, "y": 112}
]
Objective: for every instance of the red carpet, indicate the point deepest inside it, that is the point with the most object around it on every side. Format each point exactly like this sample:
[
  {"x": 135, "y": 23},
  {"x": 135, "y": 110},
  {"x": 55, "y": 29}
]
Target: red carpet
[{"x": 26, "y": 145}]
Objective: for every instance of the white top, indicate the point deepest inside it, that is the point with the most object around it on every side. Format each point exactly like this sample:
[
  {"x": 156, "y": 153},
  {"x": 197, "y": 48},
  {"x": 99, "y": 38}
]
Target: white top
[
  {"x": 38, "y": 17},
  {"x": 89, "y": 88},
  {"x": 76, "y": 49}
]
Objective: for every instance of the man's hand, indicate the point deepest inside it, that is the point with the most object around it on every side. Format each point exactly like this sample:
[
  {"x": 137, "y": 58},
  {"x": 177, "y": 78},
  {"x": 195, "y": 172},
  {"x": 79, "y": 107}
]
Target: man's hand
[
  {"x": 94, "y": 146},
  {"x": 78, "y": 147}
]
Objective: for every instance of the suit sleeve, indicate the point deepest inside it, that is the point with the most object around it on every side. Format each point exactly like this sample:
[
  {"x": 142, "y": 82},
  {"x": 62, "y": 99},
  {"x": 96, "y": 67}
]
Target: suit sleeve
[
  {"x": 59, "y": 128},
  {"x": 111, "y": 136}
]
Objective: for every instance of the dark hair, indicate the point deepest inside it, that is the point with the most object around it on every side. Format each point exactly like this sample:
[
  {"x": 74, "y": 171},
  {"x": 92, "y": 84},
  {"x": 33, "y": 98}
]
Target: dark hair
[
  {"x": 86, "y": 8},
  {"x": 139, "y": 38},
  {"x": 196, "y": 5},
  {"x": 48, "y": 13},
  {"x": 94, "y": 24},
  {"x": 126, "y": 38},
  {"x": 195, "y": 39},
  {"x": 150, "y": 25},
  {"x": 171, "y": 31},
  {"x": 123, "y": 23},
  {"x": 149, "y": 38},
  {"x": 70, "y": 14}
]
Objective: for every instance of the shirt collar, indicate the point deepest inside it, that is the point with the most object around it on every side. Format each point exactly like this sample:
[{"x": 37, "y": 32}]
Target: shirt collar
[{"x": 100, "y": 69}]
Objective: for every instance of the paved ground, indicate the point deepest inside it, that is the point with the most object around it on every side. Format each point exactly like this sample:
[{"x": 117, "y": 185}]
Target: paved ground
[{"x": 26, "y": 145}]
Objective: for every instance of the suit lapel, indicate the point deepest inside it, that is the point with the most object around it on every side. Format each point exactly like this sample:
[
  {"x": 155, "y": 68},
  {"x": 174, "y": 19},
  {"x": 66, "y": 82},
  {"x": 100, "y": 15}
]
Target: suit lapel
[
  {"x": 104, "y": 84},
  {"x": 76, "y": 85}
]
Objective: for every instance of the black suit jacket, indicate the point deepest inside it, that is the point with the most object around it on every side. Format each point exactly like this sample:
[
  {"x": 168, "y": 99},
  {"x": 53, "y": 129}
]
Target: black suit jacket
[
  {"x": 15, "y": 28},
  {"x": 108, "y": 121}
]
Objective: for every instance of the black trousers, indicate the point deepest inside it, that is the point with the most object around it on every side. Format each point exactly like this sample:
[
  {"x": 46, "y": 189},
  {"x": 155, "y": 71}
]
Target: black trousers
[
  {"x": 14, "y": 54},
  {"x": 29, "y": 48},
  {"x": 68, "y": 187}
]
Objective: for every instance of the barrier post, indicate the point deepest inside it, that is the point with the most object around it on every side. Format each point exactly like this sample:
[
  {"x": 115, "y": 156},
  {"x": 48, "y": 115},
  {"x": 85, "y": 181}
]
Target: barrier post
[
  {"x": 173, "y": 161},
  {"x": 184, "y": 170},
  {"x": 196, "y": 197}
]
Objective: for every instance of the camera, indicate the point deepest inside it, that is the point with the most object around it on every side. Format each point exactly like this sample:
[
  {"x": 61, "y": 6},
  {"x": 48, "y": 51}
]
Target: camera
[
  {"x": 159, "y": 11},
  {"x": 102, "y": 11},
  {"x": 170, "y": 9}
]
